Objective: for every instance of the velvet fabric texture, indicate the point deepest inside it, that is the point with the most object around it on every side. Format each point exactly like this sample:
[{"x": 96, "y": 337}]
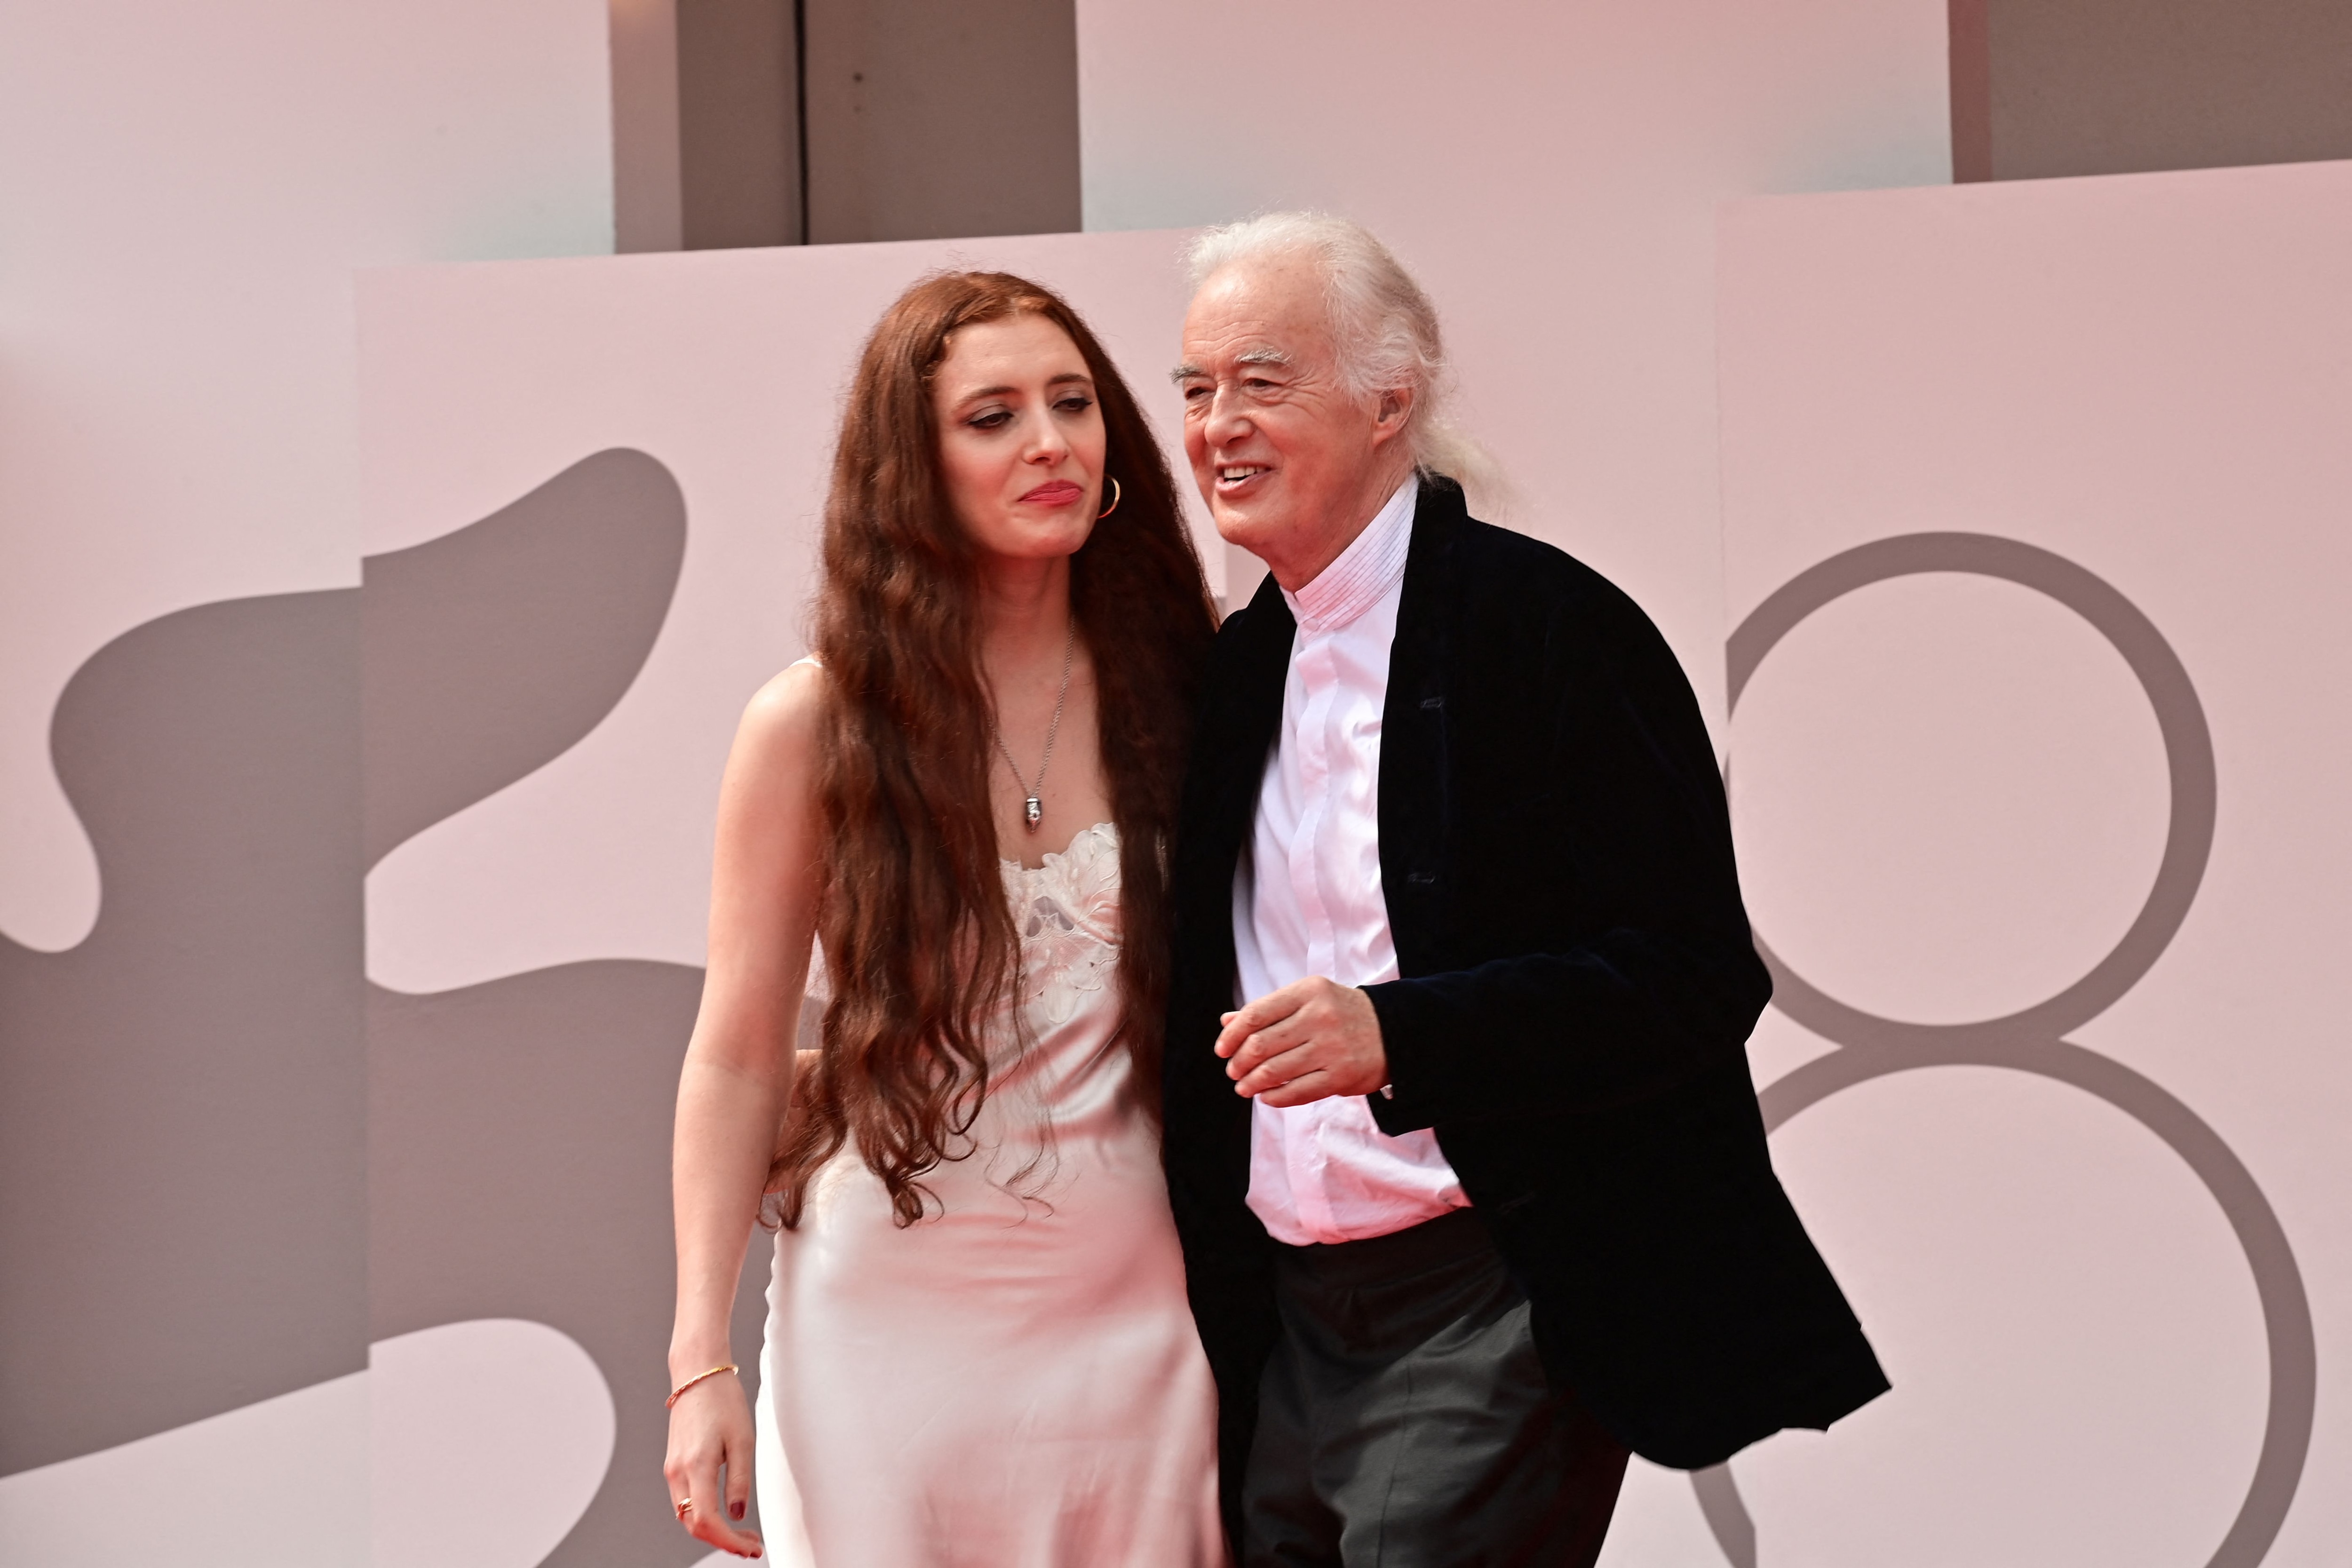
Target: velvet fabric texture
[{"x": 1579, "y": 984}]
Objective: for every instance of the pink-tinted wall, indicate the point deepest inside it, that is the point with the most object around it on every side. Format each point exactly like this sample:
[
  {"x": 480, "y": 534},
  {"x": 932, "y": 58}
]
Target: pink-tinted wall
[
  {"x": 183, "y": 992},
  {"x": 584, "y": 492},
  {"x": 2035, "y": 545},
  {"x": 1550, "y": 173},
  {"x": 594, "y": 488},
  {"x": 186, "y": 191}
]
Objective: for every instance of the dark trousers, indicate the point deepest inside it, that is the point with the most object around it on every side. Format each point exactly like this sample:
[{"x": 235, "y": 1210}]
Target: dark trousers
[{"x": 1404, "y": 1421}]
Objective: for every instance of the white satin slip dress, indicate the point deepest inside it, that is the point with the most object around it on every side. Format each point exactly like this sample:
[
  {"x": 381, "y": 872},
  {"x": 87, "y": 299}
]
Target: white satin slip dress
[{"x": 1014, "y": 1380}]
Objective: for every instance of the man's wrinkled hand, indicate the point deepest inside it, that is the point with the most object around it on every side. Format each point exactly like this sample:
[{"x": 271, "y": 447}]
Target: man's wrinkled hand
[{"x": 1311, "y": 1039}]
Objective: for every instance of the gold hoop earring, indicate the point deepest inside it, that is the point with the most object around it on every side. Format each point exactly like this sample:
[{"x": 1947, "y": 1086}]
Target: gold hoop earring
[{"x": 1113, "y": 500}]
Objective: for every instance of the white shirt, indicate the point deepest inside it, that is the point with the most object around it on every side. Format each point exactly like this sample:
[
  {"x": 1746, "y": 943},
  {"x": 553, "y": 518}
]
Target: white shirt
[{"x": 1308, "y": 899}]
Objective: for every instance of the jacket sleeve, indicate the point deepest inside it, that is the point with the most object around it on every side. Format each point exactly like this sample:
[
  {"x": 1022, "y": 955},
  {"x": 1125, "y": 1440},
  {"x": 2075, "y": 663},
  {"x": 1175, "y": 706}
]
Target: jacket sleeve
[{"x": 1655, "y": 975}]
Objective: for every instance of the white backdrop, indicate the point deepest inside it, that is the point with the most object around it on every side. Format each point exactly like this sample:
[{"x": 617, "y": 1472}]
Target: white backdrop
[
  {"x": 1550, "y": 173},
  {"x": 194, "y": 190},
  {"x": 1552, "y": 176},
  {"x": 187, "y": 189},
  {"x": 1952, "y": 797},
  {"x": 1950, "y": 793},
  {"x": 479, "y": 382},
  {"x": 184, "y": 191}
]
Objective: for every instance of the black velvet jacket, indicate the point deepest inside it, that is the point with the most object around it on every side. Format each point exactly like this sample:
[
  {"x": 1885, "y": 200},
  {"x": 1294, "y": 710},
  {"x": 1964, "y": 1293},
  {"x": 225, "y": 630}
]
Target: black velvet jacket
[{"x": 1578, "y": 985}]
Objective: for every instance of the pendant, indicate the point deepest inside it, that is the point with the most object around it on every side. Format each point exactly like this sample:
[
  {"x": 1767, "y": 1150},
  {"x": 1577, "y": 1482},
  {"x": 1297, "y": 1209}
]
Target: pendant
[{"x": 1033, "y": 813}]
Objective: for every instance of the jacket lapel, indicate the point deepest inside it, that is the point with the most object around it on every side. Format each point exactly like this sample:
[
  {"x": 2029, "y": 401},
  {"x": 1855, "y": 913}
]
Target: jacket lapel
[
  {"x": 1415, "y": 801},
  {"x": 1243, "y": 728}
]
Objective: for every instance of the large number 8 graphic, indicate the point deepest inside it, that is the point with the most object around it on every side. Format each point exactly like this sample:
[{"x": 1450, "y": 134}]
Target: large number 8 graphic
[{"x": 2032, "y": 1040}]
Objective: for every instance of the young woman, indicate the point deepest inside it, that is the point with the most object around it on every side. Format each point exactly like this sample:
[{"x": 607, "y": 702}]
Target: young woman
[{"x": 979, "y": 1349}]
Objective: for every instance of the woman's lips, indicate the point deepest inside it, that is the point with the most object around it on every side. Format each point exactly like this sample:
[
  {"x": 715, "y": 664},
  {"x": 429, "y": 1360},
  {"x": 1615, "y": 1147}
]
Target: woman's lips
[{"x": 1061, "y": 492}]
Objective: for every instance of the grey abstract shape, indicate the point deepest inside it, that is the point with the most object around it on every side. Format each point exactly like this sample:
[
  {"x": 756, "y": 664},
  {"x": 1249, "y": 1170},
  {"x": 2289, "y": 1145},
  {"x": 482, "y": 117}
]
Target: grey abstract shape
[
  {"x": 184, "y": 1198},
  {"x": 519, "y": 1167},
  {"x": 182, "y": 1186},
  {"x": 492, "y": 650},
  {"x": 2180, "y": 717},
  {"x": 519, "y": 1130},
  {"x": 1870, "y": 1047}
]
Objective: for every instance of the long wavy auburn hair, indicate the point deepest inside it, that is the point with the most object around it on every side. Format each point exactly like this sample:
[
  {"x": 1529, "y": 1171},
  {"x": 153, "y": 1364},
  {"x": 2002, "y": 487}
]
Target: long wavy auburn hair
[{"x": 919, "y": 938}]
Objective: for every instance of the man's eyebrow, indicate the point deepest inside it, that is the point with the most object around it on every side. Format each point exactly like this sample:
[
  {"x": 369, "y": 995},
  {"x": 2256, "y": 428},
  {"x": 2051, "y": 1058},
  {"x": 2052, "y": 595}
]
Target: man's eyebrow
[{"x": 1268, "y": 355}]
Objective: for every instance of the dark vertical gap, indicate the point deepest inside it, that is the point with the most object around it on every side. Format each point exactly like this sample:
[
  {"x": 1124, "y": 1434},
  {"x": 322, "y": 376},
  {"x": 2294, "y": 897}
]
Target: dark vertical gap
[
  {"x": 736, "y": 115},
  {"x": 800, "y": 108},
  {"x": 1971, "y": 72}
]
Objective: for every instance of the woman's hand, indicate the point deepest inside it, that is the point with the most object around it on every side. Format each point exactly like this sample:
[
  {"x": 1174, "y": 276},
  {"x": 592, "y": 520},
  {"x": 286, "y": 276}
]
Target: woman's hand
[{"x": 711, "y": 1431}]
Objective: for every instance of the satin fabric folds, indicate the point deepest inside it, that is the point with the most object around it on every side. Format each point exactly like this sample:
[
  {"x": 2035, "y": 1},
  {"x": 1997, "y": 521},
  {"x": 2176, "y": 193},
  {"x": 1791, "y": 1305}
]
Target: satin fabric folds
[{"x": 1015, "y": 1381}]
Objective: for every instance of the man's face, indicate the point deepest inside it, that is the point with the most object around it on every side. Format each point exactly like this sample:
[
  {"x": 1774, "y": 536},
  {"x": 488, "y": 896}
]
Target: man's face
[{"x": 1291, "y": 463}]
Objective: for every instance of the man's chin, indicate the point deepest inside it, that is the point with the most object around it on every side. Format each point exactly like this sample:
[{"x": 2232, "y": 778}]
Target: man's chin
[{"x": 1249, "y": 527}]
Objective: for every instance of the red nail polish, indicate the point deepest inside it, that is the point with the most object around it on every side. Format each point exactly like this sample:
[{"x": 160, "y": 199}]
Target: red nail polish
[{"x": 734, "y": 1510}]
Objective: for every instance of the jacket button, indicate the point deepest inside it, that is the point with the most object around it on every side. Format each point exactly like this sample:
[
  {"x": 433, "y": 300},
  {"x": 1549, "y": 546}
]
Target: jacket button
[
  {"x": 1422, "y": 879},
  {"x": 1432, "y": 703}
]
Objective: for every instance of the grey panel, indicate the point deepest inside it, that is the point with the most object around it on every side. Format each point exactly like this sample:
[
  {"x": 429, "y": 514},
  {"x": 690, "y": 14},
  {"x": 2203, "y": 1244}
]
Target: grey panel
[
  {"x": 646, "y": 169},
  {"x": 1969, "y": 29},
  {"x": 739, "y": 131},
  {"x": 490, "y": 651},
  {"x": 181, "y": 1186},
  {"x": 2114, "y": 87},
  {"x": 934, "y": 119}
]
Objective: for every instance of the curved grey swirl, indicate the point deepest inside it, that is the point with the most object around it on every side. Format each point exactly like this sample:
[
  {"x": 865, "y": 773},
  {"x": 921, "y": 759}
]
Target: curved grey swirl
[{"x": 2031, "y": 1040}]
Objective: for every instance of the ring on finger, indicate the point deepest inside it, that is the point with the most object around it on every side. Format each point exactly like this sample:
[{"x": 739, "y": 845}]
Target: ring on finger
[{"x": 684, "y": 1505}]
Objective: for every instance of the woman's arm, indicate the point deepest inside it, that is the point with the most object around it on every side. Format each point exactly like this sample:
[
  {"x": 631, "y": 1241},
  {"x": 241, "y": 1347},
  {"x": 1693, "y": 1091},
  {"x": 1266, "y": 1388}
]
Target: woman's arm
[{"x": 738, "y": 1079}]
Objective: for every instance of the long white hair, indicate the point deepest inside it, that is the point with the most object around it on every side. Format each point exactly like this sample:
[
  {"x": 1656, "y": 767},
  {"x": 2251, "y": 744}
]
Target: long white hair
[{"x": 1384, "y": 329}]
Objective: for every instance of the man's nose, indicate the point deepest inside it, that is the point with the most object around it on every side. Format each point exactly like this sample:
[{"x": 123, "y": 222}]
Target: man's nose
[{"x": 1225, "y": 420}]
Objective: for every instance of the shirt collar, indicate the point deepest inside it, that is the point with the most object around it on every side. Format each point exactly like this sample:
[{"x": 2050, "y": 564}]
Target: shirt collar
[{"x": 1363, "y": 574}]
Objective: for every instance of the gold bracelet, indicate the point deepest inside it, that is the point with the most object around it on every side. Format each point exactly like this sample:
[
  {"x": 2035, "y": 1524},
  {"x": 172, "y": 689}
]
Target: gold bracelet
[{"x": 690, "y": 1383}]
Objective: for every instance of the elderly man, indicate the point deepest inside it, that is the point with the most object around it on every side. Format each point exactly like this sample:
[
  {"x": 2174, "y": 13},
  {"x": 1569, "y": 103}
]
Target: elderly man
[{"x": 1473, "y": 1192}]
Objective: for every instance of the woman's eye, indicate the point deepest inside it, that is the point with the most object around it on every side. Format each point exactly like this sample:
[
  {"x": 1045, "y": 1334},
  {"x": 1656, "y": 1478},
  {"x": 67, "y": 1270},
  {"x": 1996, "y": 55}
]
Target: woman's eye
[
  {"x": 994, "y": 420},
  {"x": 1077, "y": 402}
]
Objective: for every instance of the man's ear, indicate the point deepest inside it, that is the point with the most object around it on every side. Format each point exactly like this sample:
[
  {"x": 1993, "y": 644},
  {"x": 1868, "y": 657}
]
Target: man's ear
[{"x": 1392, "y": 414}]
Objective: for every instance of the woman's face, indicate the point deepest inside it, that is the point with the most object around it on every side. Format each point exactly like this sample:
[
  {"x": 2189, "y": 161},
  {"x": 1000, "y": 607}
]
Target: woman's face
[{"x": 1021, "y": 437}]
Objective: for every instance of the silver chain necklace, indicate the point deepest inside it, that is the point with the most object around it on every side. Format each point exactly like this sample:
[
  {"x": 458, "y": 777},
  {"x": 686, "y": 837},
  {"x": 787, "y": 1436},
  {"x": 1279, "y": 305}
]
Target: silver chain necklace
[{"x": 1033, "y": 810}]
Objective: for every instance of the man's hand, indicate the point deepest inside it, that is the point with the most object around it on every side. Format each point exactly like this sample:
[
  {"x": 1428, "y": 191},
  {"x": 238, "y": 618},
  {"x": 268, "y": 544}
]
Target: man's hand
[{"x": 1308, "y": 1041}]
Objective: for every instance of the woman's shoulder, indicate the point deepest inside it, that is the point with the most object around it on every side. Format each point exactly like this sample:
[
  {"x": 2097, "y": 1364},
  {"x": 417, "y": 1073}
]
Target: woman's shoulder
[{"x": 787, "y": 713}]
